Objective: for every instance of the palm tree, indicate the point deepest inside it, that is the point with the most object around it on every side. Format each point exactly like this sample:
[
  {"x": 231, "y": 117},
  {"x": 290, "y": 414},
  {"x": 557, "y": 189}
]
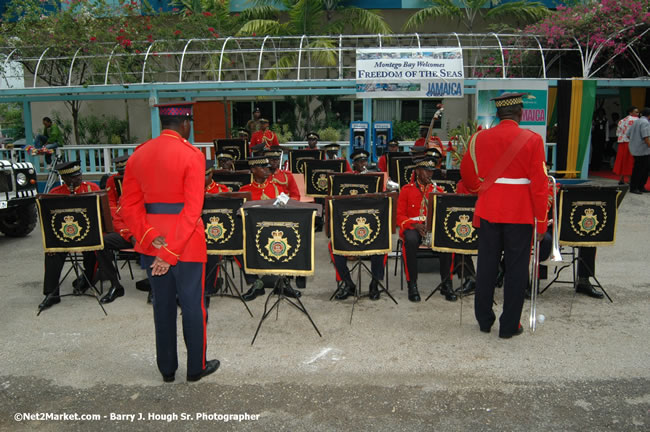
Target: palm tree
[{"x": 467, "y": 11}]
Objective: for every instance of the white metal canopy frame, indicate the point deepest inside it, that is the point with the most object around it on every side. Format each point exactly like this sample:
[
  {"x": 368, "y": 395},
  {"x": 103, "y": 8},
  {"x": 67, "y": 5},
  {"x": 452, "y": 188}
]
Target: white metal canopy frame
[{"x": 294, "y": 58}]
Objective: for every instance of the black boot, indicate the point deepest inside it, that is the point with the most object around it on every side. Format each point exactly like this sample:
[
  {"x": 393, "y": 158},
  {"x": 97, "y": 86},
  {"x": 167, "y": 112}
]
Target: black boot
[
  {"x": 447, "y": 290},
  {"x": 414, "y": 295},
  {"x": 116, "y": 291},
  {"x": 374, "y": 289},
  {"x": 256, "y": 290},
  {"x": 585, "y": 287},
  {"x": 345, "y": 290},
  {"x": 468, "y": 287},
  {"x": 49, "y": 301},
  {"x": 80, "y": 285},
  {"x": 288, "y": 290}
]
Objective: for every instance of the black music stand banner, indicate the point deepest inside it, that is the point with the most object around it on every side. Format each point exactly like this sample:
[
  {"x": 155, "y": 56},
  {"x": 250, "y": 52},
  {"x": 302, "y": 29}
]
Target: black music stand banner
[
  {"x": 404, "y": 169},
  {"x": 236, "y": 146},
  {"x": 279, "y": 240},
  {"x": 361, "y": 226},
  {"x": 223, "y": 225},
  {"x": 588, "y": 215},
  {"x": 316, "y": 172},
  {"x": 451, "y": 223},
  {"x": 390, "y": 162},
  {"x": 233, "y": 179},
  {"x": 297, "y": 156},
  {"x": 70, "y": 223},
  {"x": 356, "y": 184}
]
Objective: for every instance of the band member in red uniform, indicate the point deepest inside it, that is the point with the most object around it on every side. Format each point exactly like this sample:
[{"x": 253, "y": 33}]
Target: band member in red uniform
[
  {"x": 264, "y": 136},
  {"x": 211, "y": 186},
  {"x": 332, "y": 153},
  {"x": 112, "y": 190},
  {"x": 262, "y": 188},
  {"x": 164, "y": 186},
  {"x": 382, "y": 163},
  {"x": 281, "y": 177},
  {"x": 225, "y": 161},
  {"x": 70, "y": 173},
  {"x": 412, "y": 208},
  {"x": 359, "y": 161},
  {"x": 505, "y": 166},
  {"x": 312, "y": 141}
]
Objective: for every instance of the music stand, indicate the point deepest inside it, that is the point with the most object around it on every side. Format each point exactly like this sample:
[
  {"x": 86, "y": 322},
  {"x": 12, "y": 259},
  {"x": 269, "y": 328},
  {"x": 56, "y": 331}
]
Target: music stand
[
  {"x": 356, "y": 184},
  {"x": 232, "y": 179},
  {"x": 235, "y": 146},
  {"x": 316, "y": 175},
  {"x": 240, "y": 165},
  {"x": 362, "y": 225},
  {"x": 449, "y": 220},
  {"x": 223, "y": 236},
  {"x": 390, "y": 162},
  {"x": 404, "y": 167},
  {"x": 279, "y": 240},
  {"x": 297, "y": 156},
  {"x": 588, "y": 216},
  {"x": 74, "y": 223}
]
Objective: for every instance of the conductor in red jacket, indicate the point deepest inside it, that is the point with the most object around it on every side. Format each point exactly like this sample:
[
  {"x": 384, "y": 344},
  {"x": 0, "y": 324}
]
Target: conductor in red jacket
[
  {"x": 505, "y": 166},
  {"x": 164, "y": 186}
]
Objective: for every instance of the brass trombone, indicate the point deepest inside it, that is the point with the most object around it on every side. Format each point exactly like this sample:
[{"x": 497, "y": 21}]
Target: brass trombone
[
  {"x": 534, "y": 280},
  {"x": 555, "y": 258}
]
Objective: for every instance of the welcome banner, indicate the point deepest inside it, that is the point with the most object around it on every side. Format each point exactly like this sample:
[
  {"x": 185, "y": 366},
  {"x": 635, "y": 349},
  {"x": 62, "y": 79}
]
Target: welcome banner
[{"x": 410, "y": 73}]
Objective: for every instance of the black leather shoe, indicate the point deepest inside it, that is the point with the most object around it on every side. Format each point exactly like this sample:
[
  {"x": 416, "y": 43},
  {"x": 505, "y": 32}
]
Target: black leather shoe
[
  {"x": 636, "y": 192},
  {"x": 468, "y": 287},
  {"x": 49, "y": 301},
  {"x": 414, "y": 295},
  {"x": 169, "y": 378},
  {"x": 447, "y": 290},
  {"x": 256, "y": 290},
  {"x": 210, "y": 367},
  {"x": 289, "y": 291},
  {"x": 585, "y": 287},
  {"x": 485, "y": 329},
  {"x": 374, "y": 290},
  {"x": 345, "y": 290},
  {"x": 519, "y": 331},
  {"x": 115, "y": 292}
]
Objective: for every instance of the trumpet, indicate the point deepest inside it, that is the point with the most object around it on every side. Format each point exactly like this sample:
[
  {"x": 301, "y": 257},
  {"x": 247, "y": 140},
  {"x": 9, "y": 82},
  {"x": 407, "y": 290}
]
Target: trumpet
[{"x": 555, "y": 258}]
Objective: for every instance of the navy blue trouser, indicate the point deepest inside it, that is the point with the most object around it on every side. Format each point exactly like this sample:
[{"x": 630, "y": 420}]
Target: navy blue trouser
[
  {"x": 514, "y": 240},
  {"x": 185, "y": 280}
]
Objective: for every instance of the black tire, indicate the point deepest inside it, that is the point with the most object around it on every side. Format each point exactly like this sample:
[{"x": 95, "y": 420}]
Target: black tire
[{"x": 19, "y": 221}]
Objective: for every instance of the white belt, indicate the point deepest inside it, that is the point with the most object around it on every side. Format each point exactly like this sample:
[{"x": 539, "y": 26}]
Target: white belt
[{"x": 512, "y": 181}]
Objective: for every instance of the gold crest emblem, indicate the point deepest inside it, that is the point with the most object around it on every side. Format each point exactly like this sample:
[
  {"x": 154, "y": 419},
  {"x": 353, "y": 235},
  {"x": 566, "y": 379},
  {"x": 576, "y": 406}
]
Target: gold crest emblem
[
  {"x": 70, "y": 228},
  {"x": 463, "y": 230},
  {"x": 588, "y": 222},
  {"x": 361, "y": 231},
  {"x": 215, "y": 230},
  {"x": 353, "y": 192},
  {"x": 277, "y": 246},
  {"x": 321, "y": 183}
]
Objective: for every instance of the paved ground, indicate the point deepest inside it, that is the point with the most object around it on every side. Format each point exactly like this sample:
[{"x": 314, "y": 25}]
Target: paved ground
[{"x": 396, "y": 367}]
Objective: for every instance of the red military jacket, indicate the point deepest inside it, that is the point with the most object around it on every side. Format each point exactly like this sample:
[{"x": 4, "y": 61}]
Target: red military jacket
[
  {"x": 84, "y": 187},
  {"x": 286, "y": 180},
  {"x": 412, "y": 204},
  {"x": 215, "y": 188},
  {"x": 506, "y": 202},
  {"x": 119, "y": 226},
  {"x": 263, "y": 191},
  {"x": 111, "y": 192},
  {"x": 268, "y": 137},
  {"x": 166, "y": 170},
  {"x": 382, "y": 163}
]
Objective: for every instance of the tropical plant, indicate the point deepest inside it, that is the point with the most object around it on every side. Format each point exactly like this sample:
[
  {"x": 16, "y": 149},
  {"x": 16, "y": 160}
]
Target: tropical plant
[
  {"x": 406, "y": 130},
  {"x": 468, "y": 11},
  {"x": 329, "y": 134},
  {"x": 283, "y": 133},
  {"x": 608, "y": 31},
  {"x": 459, "y": 140}
]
